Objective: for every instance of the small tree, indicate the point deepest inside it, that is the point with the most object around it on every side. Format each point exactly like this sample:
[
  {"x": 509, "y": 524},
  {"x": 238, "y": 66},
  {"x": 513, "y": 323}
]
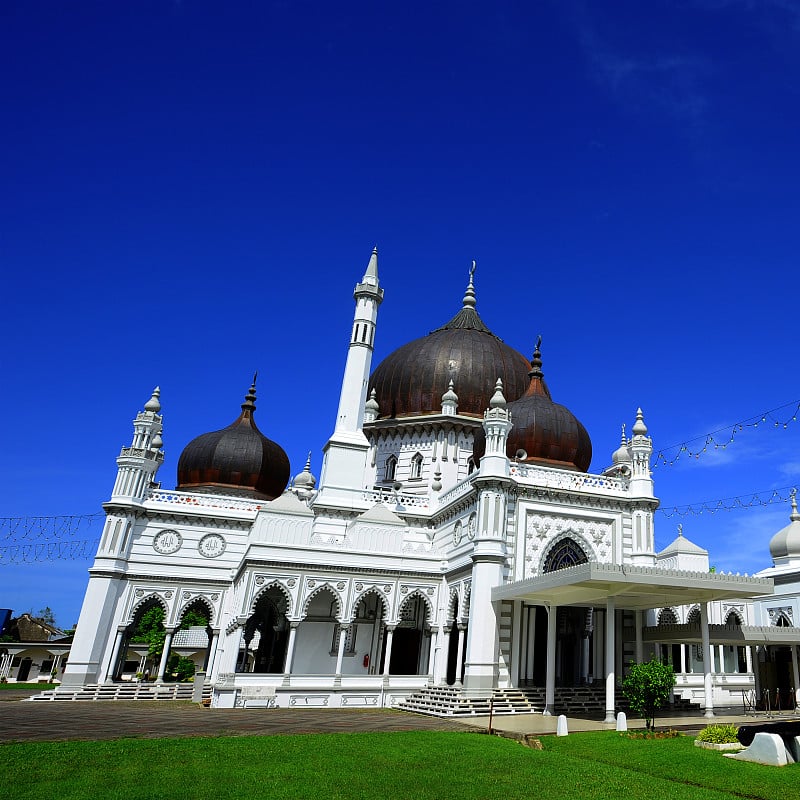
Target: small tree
[
  {"x": 151, "y": 630},
  {"x": 648, "y": 687}
]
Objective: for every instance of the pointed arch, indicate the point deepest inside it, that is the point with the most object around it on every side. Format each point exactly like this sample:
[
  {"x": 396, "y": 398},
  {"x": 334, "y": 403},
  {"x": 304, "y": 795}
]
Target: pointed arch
[
  {"x": 693, "y": 617},
  {"x": 416, "y": 593},
  {"x": 193, "y": 603},
  {"x": 733, "y": 617},
  {"x": 453, "y": 606},
  {"x": 145, "y": 604},
  {"x": 338, "y": 614},
  {"x": 417, "y": 461},
  {"x": 567, "y": 550},
  {"x": 667, "y": 616},
  {"x": 273, "y": 584},
  {"x": 381, "y": 598},
  {"x": 390, "y": 468}
]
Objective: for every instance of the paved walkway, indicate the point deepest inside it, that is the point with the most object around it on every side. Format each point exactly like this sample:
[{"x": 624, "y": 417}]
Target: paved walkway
[{"x": 58, "y": 721}]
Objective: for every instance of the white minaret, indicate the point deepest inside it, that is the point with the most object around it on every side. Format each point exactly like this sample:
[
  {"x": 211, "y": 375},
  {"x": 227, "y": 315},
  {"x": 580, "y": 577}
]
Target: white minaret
[
  {"x": 95, "y": 645},
  {"x": 641, "y": 487},
  {"x": 346, "y": 451}
]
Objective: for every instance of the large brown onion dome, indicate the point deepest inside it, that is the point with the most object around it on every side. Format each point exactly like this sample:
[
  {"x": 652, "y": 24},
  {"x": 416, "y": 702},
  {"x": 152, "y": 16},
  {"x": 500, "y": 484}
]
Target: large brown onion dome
[
  {"x": 411, "y": 380},
  {"x": 547, "y": 432},
  {"x": 237, "y": 460}
]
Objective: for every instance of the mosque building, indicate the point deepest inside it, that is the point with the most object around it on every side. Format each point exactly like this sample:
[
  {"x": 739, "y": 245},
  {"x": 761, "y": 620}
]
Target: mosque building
[{"x": 455, "y": 549}]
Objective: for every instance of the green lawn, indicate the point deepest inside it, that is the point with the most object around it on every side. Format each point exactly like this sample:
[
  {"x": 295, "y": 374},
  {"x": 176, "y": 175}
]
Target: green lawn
[
  {"x": 386, "y": 766},
  {"x": 40, "y": 687}
]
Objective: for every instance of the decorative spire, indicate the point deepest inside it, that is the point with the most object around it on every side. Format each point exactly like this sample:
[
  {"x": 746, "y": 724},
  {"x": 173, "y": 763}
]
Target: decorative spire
[
  {"x": 154, "y": 403},
  {"x": 639, "y": 428},
  {"x": 250, "y": 398},
  {"x": 794, "y": 517},
  {"x": 498, "y": 400},
  {"x": 371, "y": 407},
  {"x": 469, "y": 297},
  {"x": 537, "y": 384},
  {"x": 371, "y": 275},
  {"x": 680, "y": 529}
]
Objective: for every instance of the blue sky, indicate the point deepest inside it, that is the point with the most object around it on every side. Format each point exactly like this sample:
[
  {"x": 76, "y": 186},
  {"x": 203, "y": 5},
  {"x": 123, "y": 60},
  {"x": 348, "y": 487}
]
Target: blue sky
[{"x": 192, "y": 189}]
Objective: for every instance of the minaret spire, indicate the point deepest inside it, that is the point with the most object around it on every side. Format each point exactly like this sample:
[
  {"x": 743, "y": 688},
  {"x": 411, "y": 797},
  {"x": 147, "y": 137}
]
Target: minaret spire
[{"x": 346, "y": 450}]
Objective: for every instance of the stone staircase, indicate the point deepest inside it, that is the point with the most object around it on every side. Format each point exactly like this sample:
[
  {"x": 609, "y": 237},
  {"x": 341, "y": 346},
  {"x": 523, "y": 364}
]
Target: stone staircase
[
  {"x": 123, "y": 691},
  {"x": 448, "y": 701}
]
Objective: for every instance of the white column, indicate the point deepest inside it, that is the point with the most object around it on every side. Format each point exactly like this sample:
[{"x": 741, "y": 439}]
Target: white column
[
  {"x": 639, "y": 648},
  {"x": 532, "y": 613},
  {"x": 460, "y": 655},
  {"x": 721, "y": 662},
  {"x": 165, "y": 654},
  {"x": 287, "y": 667},
  {"x": 444, "y": 662},
  {"x": 795, "y": 673},
  {"x": 212, "y": 651},
  {"x": 585, "y": 657},
  {"x": 432, "y": 654},
  {"x": 550, "y": 680},
  {"x": 707, "y": 662},
  {"x": 387, "y": 659},
  {"x": 340, "y": 653},
  {"x": 599, "y": 638},
  {"x": 610, "y": 660},
  {"x": 748, "y": 658},
  {"x": 683, "y": 659},
  {"x": 115, "y": 653},
  {"x": 516, "y": 644}
]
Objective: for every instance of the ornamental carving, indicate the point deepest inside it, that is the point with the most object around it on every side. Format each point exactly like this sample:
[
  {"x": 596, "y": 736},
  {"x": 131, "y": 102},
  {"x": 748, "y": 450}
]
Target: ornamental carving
[
  {"x": 139, "y": 592},
  {"x": 541, "y": 530},
  {"x": 291, "y": 583},
  {"x": 214, "y": 597},
  {"x": 311, "y": 584},
  {"x": 186, "y": 595},
  {"x": 404, "y": 590},
  {"x": 259, "y": 580},
  {"x": 168, "y": 594},
  {"x": 387, "y": 588},
  {"x": 340, "y": 585},
  {"x": 430, "y": 590},
  {"x": 359, "y": 587}
]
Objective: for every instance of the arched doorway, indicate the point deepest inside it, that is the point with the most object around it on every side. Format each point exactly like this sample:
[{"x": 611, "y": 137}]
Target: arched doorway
[
  {"x": 458, "y": 634},
  {"x": 266, "y": 635},
  {"x": 146, "y": 635},
  {"x": 411, "y": 642}
]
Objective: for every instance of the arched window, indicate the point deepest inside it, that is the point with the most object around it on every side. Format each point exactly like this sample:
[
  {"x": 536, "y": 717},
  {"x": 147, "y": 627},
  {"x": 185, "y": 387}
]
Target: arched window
[
  {"x": 390, "y": 469},
  {"x": 566, "y": 553},
  {"x": 667, "y": 616},
  {"x": 470, "y": 465},
  {"x": 733, "y": 619},
  {"x": 694, "y": 616},
  {"x": 416, "y": 466},
  {"x": 782, "y": 621}
]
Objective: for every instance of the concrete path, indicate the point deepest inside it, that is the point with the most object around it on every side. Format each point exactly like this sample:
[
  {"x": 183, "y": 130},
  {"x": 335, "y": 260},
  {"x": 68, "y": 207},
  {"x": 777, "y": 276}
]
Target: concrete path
[{"x": 58, "y": 721}]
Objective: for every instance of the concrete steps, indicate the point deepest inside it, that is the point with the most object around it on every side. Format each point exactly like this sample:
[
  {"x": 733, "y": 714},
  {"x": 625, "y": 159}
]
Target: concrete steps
[
  {"x": 448, "y": 701},
  {"x": 122, "y": 691}
]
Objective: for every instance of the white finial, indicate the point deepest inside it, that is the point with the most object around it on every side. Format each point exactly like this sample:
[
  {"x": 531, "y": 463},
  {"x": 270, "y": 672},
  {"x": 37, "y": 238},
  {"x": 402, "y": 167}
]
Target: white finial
[
  {"x": 371, "y": 275},
  {"x": 639, "y": 428},
  {"x": 680, "y": 529},
  {"x": 469, "y": 296},
  {"x": 794, "y": 515},
  {"x": 624, "y": 441},
  {"x": 157, "y": 442},
  {"x": 154, "y": 403},
  {"x": 498, "y": 399},
  {"x": 449, "y": 400}
]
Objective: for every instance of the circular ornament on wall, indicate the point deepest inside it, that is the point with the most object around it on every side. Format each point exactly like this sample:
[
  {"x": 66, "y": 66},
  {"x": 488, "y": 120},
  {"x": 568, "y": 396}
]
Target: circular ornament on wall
[
  {"x": 212, "y": 545},
  {"x": 457, "y": 533},
  {"x": 167, "y": 542}
]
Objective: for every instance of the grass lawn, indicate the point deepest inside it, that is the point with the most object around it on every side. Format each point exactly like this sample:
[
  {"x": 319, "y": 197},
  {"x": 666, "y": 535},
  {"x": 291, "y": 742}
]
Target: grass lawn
[
  {"x": 386, "y": 766},
  {"x": 41, "y": 687}
]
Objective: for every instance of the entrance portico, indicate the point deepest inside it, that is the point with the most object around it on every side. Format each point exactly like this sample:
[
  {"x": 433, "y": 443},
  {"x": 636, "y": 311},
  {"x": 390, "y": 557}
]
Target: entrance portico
[{"x": 637, "y": 588}]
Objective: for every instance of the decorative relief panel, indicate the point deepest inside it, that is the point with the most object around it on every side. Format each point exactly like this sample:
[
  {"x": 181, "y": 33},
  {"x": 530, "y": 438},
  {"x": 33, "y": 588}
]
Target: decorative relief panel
[{"x": 541, "y": 530}]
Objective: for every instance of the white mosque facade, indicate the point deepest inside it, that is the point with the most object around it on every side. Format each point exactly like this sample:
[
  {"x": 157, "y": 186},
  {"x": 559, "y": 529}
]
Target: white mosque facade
[{"x": 454, "y": 540}]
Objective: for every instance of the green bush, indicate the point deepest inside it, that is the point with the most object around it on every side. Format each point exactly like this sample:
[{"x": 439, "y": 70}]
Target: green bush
[
  {"x": 719, "y": 734},
  {"x": 648, "y": 688}
]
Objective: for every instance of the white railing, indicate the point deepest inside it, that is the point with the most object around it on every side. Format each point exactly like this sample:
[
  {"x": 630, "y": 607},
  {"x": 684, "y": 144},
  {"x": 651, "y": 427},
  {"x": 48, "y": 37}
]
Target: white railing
[
  {"x": 550, "y": 478},
  {"x": 392, "y": 498},
  {"x": 459, "y": 490},
  {"x": 203, "y": 500}
]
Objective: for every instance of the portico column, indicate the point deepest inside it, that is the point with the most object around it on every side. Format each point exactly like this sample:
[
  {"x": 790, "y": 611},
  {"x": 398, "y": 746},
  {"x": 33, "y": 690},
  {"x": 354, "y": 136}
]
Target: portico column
[
  {"x": 610, "y": 654},
  {"x": 460, "y": 655},
  {"x": 444, "y": 662},
  {"x": 721, "y": 662},
  {"x": 683, "y": 659},
  {"x": 340, "y": 654},
  {"x": 165, "y": 654},
  {"x": 115, "y": 653},
  {"x": 707, "y": 659},
  {"x": 212, "y": 651},
  {"x": 287, "y": 667},
  {"x": 531, "y": 643},
  {"x": 639, "y": 649},
  {"x": 550, "y": 679},
  {"x": 748, "y": 658},
  {"x": 599, "y": 637},
  {"x": 795, "y": 673},
  {"x": 387, "y": 658},
  {"x": 432, "y": 654}
]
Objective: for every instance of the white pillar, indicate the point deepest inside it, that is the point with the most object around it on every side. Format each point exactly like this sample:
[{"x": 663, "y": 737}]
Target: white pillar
[
  {"x": 721, "y": 662},
  {"x": 212, "y": 651},
  {"x": 432, "y": 653},
  {"x": 639, "y": 648},
  {"x": 287, "y": 667},
  {"x": 550, "y": 680},
  {"x": 340, "y": 653},
  {"x": 707, "y": 662},
  {"x": 683, "y": 659},
  {"x": 460, "y": 655},
  {"x": 516, "y": 644},
  {"x": 748, "y": 658},
  {"x": 599, "y": 637},
  {"x": 444, "y": 662},
  {"x": 165, "y": 654},
  {"x": 610, "y": 659},
  {"x": 387, "y": 658},
  {"x": 115, "y": 653},
  {"x": 795, "y": 673},
  {"x": 531, "y": 651}
]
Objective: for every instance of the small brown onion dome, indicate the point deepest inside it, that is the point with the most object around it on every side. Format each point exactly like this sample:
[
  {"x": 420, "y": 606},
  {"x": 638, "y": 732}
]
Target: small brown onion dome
[
  {"x": 410, "y": 381},
  {"x": 543, "y": 432},
  {"x": 237, "y": 460}
]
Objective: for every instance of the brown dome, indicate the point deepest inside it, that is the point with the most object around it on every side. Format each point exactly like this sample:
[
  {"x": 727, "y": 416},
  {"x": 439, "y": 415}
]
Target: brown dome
[
  {"x": 549, "y": 433},
  {"x": 236, "y": 460},
  {"x": 411, "y": 380}
]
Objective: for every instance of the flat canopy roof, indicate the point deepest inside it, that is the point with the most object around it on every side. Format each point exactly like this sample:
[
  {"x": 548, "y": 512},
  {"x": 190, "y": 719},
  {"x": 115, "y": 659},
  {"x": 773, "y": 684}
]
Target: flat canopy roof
[
  {"x": 633, "y": 587},
  {"x": 722, "y": 634}
]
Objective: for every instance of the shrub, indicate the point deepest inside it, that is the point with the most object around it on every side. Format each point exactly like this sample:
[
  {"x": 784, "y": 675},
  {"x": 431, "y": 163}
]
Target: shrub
[
  {"x": 719, "y": 734},
  {"x": 648, "y": 687}
]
